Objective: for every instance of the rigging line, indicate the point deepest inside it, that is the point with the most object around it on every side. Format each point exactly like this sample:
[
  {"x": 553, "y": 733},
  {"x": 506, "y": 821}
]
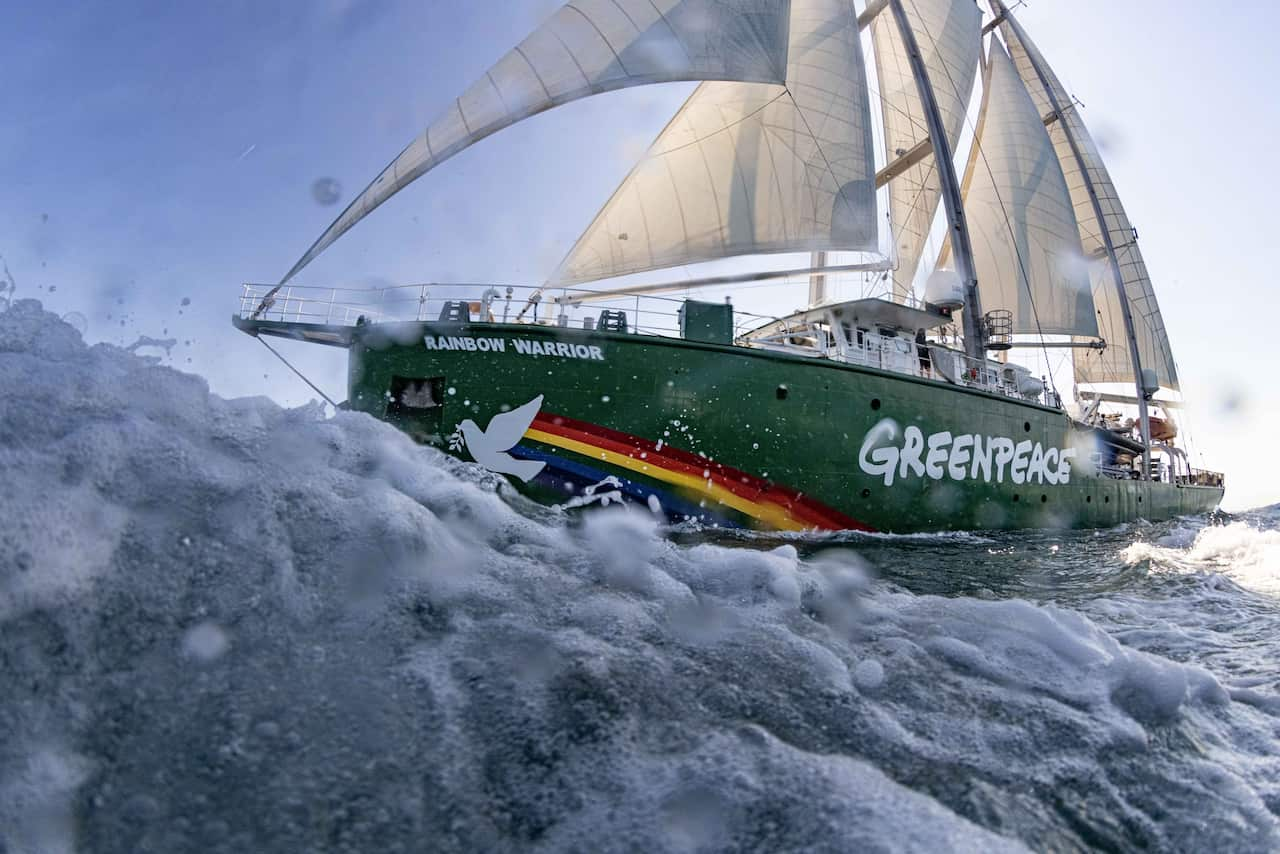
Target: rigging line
[
  {"x": 1013, "y": 238},
  {"x": 1004, "y": 213},
  {"x": 926, "y": 170},
  {"x": 853, "y": 15},
  {"x": 1105, "y": 222},
  {"x": 647, "y": 157},
  {"x": 915, "y": 121},
  {"x": 314, "y": 387},
  {"x": 730, "y": 126}
]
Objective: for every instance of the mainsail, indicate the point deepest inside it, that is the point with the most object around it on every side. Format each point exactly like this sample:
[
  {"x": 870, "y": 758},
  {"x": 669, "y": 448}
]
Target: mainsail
[
  {"x": 1026, "y": 242},
  {"x": 1114, "y": 364},
  {"x": 746, "y": 168},
  {"x": 589, "y": 47},
  {"x": 948, "y": 33}
]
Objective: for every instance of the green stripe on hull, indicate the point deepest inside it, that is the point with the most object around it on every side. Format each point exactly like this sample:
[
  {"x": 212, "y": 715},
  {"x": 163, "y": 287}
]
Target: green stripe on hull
[{"x": 829, "y": 436}]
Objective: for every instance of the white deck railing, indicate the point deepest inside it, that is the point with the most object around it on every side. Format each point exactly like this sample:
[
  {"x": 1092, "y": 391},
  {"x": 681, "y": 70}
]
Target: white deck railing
[{"x": 566, "y": 307}]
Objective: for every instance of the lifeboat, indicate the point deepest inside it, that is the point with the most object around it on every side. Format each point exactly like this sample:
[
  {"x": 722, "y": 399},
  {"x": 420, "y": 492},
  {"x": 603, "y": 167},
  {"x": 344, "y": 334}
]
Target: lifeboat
[{"x": 1162, "y": 429}]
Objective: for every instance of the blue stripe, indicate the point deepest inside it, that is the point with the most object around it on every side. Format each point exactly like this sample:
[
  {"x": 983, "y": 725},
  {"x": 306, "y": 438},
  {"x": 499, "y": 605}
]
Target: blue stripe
[{"x": 581, "y": 476}]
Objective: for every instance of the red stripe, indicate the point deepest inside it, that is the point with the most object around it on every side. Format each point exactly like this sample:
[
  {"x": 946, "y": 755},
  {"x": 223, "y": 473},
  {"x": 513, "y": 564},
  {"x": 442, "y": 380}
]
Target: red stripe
[{"x": 738, "y": 482}]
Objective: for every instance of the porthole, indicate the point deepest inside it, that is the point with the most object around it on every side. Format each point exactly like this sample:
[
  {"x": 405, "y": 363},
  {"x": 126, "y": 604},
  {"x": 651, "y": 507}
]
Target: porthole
[
  {"x": 1139, "y": 499},
  {"x": 1106, "y": 499},
  {"x": 1026, "y": 426},
  {"x": 1017, "y": 497},
  {"x": 1044, "y": 499},
  {"x": 866, "y": 493},
  {"x": 782, "y": 392},
  {"x": 875, "y": 403},
  {"x": 1088, "y": 499}
]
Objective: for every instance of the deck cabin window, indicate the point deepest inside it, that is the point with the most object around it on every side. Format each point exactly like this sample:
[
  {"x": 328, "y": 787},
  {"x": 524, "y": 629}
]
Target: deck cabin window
[{"x": 855, "y": 334}]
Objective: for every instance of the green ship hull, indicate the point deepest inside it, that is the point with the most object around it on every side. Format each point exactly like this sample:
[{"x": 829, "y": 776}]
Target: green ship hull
[{"x": 741, "y": 437}]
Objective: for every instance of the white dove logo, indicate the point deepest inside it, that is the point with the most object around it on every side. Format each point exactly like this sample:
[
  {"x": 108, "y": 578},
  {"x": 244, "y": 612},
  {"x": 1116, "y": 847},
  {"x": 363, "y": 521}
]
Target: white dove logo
[{"x": 489, "y": 447}]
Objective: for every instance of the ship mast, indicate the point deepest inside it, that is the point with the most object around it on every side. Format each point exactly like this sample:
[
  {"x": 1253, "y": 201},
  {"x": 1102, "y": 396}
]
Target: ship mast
[
  {"x": 818, "y": 278},
  {"x": 1003, "y": 14},
  {"x": 974, "y": 340}
]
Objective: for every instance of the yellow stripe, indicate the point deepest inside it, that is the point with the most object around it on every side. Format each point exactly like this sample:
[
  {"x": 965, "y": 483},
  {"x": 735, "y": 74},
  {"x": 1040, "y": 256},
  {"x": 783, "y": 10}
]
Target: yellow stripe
[{"x": 771, "y": 513}]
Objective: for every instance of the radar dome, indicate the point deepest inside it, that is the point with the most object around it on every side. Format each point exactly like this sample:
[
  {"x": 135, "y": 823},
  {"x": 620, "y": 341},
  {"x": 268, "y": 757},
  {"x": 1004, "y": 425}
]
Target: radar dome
[{"x": 945, "y": 289}]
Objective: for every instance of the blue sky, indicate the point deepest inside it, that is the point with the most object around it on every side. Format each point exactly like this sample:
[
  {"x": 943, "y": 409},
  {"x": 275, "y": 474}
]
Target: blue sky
[{"x": 156, "y": 152}]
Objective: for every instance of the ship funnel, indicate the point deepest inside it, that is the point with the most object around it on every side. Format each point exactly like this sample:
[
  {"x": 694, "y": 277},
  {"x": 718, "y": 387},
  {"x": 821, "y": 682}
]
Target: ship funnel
[{"x": 945, "y": 289}]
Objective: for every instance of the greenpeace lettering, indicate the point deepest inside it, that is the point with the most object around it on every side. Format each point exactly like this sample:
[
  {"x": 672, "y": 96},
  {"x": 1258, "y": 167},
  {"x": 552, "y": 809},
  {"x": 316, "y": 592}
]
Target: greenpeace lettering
[
  {"x": 967, "y": 456},
  {"x": 523, "y": 346}
]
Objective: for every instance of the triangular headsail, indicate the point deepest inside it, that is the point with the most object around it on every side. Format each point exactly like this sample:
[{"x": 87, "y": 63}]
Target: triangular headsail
[
  {"x": 1114, "y": 364},
  {"x": 1025, "y": 239},
  {"x": 589, "y": 47},
  {"x": 948, "y": 33},
  {"x": 747, "y": 169}
]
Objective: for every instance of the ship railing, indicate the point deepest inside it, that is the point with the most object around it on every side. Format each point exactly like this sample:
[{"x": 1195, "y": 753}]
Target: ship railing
[
  {"x": 1202, "y": 477},
  {"x": 897, "y": 355},
  {"x": 332, "y": 306},
  {"x": 577, "y": 308},
  {"x": 1118, "y": 472},
  {"x": 979, "y": 373}
]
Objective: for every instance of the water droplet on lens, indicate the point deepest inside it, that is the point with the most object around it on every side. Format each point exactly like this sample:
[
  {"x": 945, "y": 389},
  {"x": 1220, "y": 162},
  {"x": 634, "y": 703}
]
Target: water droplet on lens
[
  {"x": 869, "y": 674},
  {"x": 326, "y": 191},
  {"x": 77, "y": 321},
  {"x": 205, "y": 641}
]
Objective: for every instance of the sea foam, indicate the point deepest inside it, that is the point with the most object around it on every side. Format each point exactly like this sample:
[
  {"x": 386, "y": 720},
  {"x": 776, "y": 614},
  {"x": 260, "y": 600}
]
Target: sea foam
[{"x": 230, "y": 626}]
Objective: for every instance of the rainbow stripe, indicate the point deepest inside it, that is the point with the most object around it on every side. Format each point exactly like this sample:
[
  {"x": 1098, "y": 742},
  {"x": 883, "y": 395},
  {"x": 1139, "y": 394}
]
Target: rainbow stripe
[{"x": 768, "y": 504}]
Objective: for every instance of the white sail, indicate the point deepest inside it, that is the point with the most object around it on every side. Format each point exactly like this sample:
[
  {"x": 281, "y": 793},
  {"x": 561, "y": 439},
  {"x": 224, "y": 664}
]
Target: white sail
[
  {"x": 748, "y": 169},
  {"x": 1113, "y": 364},
  {"x": 1026, "y": 242},
  {"x": 948, "y": 33},
  {"x": 589, "y": 47}
]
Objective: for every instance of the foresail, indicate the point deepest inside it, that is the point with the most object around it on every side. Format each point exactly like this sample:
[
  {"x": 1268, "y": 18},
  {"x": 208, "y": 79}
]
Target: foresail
[
  {"x": 1114, "y": 364},
  {"x": 589, "y": 47},
  {"x": 948, "y": 33},
  {"x": 746, "y": 168},
  {"x": 1026, "y": 242}
]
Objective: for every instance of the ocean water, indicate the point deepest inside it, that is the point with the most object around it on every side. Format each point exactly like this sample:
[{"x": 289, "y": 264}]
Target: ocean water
[{"x": 227, "y": 626}]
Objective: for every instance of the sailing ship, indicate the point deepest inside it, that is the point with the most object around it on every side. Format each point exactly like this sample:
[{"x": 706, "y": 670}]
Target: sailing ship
[{"x": 899, "y": 407}]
